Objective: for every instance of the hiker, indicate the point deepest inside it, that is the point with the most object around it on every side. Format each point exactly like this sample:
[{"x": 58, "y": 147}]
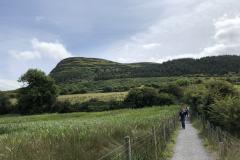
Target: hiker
[
  {"x": 182, "y": 115},
  {"x": 187, "y": 112}
]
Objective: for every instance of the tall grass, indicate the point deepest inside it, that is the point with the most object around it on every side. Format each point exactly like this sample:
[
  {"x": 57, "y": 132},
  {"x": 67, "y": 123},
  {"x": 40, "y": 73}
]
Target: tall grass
[
  {"x": 84, "y": 136},
  {"x": 79, "y": 98}
]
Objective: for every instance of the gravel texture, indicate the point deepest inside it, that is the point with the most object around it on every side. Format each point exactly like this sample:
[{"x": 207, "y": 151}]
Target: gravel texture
[{"x": 189, "y": 146}]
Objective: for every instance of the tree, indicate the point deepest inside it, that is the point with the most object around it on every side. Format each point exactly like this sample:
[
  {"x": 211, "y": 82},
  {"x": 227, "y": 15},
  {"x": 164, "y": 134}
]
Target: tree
[
  {"x": 5, "y": 105},
  {"x": 141, "y": 97},
  {"x": 38, "y": 93}
]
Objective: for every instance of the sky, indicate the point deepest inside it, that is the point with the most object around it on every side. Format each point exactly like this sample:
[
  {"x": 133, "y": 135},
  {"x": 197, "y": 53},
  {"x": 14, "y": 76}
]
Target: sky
[{"x": 40, "y": 33}]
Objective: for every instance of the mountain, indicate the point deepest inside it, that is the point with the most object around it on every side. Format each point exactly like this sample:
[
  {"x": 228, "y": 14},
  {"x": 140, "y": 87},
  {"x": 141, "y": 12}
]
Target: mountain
[{"x": 79, "y": 69}]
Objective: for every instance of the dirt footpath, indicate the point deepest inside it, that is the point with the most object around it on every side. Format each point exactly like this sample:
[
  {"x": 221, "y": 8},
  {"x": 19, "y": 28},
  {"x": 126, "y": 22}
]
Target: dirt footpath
[{"x": 189, "y": 146}]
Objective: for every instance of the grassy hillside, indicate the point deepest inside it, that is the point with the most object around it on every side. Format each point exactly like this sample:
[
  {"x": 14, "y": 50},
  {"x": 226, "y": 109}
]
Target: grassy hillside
[
  {"x": 83, "y": 135},
  {"x": 77, "y": 70}
]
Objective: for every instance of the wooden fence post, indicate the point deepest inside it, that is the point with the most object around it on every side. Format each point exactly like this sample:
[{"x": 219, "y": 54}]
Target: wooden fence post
[
  {"x": 219, "y": 134},
  {"x": 221, "y": 147},
  {"x": 208, "y": 129},
  {"x": 163, "y": 132},
  {"x": 154, "y": 141},
  {"x": 127, "y": 148},
  {"x": 203, "y": 125}
]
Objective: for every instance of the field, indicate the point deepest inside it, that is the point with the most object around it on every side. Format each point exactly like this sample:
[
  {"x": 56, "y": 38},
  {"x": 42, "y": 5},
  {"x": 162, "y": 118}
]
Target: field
[
  {"x": 76, "y": 135},
  {"x": 74, "y": 98}
]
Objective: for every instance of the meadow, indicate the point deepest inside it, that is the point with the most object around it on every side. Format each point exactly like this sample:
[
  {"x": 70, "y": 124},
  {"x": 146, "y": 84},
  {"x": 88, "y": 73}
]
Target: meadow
[
  {"x": 75, "y": 98},
  {"x": 82, "y": 135}
]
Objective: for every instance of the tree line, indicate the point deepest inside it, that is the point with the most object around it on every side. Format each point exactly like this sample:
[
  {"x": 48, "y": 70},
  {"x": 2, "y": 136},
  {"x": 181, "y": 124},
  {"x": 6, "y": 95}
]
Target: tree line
[{"x": 217, "y": 65}]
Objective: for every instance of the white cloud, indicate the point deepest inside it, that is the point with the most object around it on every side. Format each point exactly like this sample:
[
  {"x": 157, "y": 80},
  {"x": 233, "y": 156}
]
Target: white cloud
[
  {"x": 50, "y": 50},
  {"x": 26, "y": 55},
  {"x": 6, "y": 85},
  {"x": 151, "y": 45},
  {"x": 40, "y": 50},
  {"x": 181, "y": 31},
  {"x": 227, "y": 36},
  {"x": 38, "y": 19}
]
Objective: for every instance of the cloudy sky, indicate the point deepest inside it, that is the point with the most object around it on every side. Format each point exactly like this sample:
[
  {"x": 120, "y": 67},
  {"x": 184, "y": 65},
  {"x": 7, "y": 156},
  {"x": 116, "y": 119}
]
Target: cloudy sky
[{"x": 40, "y": 33}]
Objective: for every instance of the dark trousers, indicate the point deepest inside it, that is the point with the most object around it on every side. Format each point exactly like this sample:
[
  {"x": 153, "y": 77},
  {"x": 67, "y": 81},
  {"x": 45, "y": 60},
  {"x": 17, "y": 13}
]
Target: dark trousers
[{"x": 183, "y": 123}]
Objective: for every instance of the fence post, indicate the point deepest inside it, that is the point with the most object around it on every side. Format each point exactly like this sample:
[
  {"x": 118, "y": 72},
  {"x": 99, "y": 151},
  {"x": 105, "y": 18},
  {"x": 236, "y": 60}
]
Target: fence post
[
  {"x": 154, "y": 141},
  {"x": 127, "y": 148},
  {"x": 208, "y": 129},
  {"x": 163, "y": 130},
  {"x": 219, "y": 134},
  {"x": 203, "y": 125},
  {"x": 221, "y": 147}
]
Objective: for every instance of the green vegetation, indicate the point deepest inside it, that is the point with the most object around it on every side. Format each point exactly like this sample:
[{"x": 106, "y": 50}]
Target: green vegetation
[
  {"x": 39, "y": 94},
  {"x": 77, "y": 70},
  {"x": 5, "y": 104},
  {"x": 217, "y": 101},
  {"x": 78, "y": 135},
  {"x": 79, "y": 98}
]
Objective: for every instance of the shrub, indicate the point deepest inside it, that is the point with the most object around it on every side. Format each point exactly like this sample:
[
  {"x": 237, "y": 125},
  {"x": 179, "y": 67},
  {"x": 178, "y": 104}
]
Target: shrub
[
  {"x": 107, "y": 89},
  {"x": 173, "y": 89},
  {"x": 79, "y": 91},
  {"x": 141, "y": 97},
  {"x": 165, "y": 99},
  {"x": 64, "y": 91},
  {"x": 5, "y": 105},
  {"x": 225, "y": 113},
  {"x": 183, "y": 82},
  {"x": 61, "y": 107}
]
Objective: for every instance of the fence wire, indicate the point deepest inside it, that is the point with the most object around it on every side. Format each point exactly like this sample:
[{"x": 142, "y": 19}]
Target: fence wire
[
  {"x": 143, "y": 143},
  {"x": 231, "y": 144}
]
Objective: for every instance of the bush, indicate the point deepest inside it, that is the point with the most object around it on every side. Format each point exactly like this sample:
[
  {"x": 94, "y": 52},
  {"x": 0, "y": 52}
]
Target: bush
[
  {"x": 79, "y": 91},
  {"x": 165, "y": 99},
  {"x": 141, "y": 97},
  {"x": 5, "y": 105},
  {"x": 64, "y": 91},
  {"x": 183, "y": 82},
  {"x": 107, "y": 89},
  {"x": 225, "y": 113},
  {"x": 173, "y": 89},
  {"x": 61, "y": 107}
]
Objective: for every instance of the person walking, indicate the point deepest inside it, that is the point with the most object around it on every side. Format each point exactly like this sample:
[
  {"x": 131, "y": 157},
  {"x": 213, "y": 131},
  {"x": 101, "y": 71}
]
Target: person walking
[{"x": 182, "y": 115}]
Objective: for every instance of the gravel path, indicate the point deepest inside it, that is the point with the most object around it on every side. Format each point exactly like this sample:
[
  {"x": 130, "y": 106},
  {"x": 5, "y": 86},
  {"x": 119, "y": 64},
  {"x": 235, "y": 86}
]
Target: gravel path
[{"x": 189, "y": 146}]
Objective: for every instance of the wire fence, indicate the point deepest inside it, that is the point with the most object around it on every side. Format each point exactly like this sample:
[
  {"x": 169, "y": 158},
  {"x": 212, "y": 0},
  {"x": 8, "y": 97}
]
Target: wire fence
[
  {"x": 228, "y": 146},
  {"x": 149, "y": 145}
]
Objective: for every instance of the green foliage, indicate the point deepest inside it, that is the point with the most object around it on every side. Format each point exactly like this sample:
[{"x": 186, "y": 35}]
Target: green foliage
[
  {"x": 183, "y": 82},
  {"x": 217, "y": 101},
  {"x": 165, "y": 99},
  {"x": 79, "y": 91},
  {"x": 172, "y": 89},
  {"x": 64, "y": 91},
  {"x": 39, "y": 94},
  {"x": 219, "y": 89},
  {"x": 61, "y": 107},
  {"x": 141, "y": 97},
  {"x": 78, "y": 69},
  {"x": 225, "y": 113},
  {"x": 5, "y": 105},
  {"x": 107, "y": 89}
]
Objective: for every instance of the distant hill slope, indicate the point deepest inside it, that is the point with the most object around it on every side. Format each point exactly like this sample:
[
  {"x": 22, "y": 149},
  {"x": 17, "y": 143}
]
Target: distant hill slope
[{"x": 79, "y": 69}]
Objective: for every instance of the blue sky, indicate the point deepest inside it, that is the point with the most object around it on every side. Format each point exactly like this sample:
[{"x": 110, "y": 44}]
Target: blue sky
[{"x": 40, "y": 33}]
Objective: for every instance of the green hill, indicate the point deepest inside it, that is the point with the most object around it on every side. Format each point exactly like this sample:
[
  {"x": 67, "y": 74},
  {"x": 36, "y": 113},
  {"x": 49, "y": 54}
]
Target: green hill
[{"x": 79, "y": 69}]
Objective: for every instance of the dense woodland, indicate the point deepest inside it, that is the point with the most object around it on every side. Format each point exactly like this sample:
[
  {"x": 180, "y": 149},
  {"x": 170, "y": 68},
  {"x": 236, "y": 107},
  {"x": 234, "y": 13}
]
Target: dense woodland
[{"x": 78, "y": 69}]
